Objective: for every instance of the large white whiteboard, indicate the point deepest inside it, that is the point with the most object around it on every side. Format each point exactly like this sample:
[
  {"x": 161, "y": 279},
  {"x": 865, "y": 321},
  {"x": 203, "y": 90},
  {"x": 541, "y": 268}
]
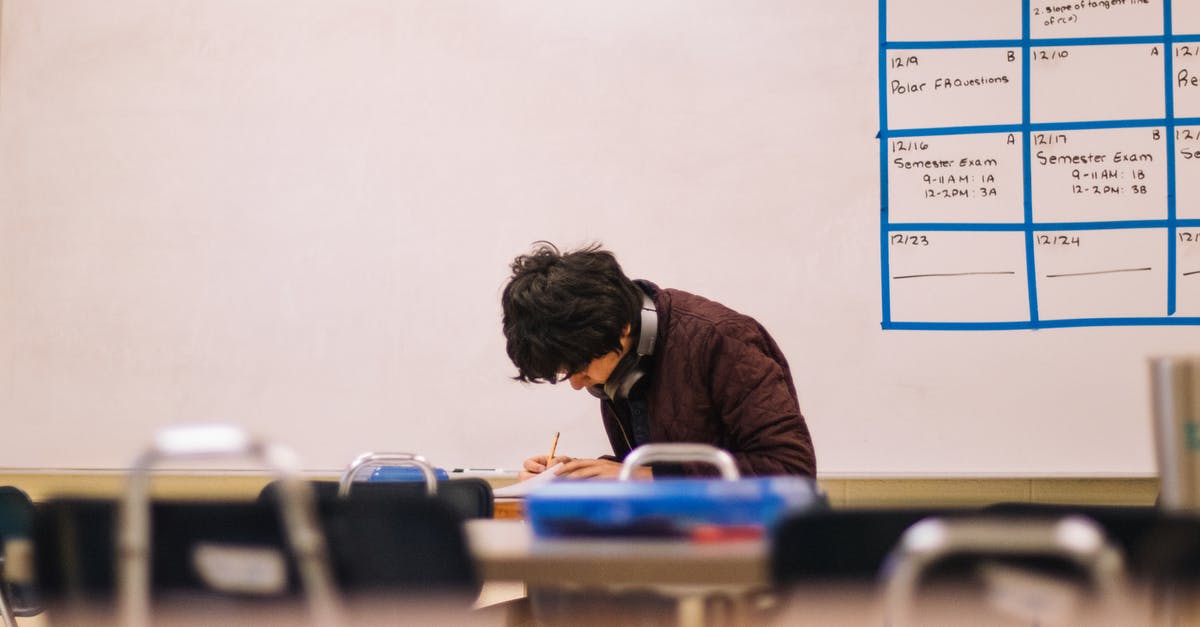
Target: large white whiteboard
[{"x": 297, "y": 215}]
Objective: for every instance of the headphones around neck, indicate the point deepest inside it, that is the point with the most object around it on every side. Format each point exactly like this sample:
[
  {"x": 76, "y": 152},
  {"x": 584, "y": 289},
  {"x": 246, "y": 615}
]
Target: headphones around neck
[{"x": 618, "y": 386}]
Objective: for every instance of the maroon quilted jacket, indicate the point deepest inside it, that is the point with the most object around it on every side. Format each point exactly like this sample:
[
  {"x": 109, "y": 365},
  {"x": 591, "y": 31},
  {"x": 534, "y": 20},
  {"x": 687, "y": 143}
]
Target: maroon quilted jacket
[{"x": 717, "y": 377}]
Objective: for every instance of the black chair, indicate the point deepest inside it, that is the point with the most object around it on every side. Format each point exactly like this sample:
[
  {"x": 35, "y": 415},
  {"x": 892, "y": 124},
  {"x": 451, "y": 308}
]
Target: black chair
[
  {"x": 136, "y": 556},
  {"x": 470, "y": 497},
  {"x": 850, "y": 545},
  {"x": 1045, "y": 568},
  {"x": 841, "y": 546},
  {"x": 411, "y": 547},
  {"x": 18, "y": 597},
  {"x": 898, "y": 551},
  {"x": 1160, "y": 546}
]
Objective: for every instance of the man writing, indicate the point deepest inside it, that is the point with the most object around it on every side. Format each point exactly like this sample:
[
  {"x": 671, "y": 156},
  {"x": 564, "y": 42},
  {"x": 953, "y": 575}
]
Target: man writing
[{"x": 668, "y": 366}]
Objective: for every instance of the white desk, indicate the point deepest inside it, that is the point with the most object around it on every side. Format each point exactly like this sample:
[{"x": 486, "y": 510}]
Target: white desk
[{"x": 506, "y": 550}]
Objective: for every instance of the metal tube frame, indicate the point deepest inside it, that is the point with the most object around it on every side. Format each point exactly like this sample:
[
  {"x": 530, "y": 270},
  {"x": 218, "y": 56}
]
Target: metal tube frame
[
  {"x": 6, "y": 612},
  {"x": 298, "y": 508},
  {"x": 376, "y": 460},
  {"x": 1073, "y": 538},
  {"x": 680, "y": 452}
]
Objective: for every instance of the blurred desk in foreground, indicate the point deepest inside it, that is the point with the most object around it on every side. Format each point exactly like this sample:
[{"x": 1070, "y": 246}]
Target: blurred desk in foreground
[
  {"x": 509, "y": 508},
  {"x": 506, "y": 550},
  {"x": 362, "y": 612}
]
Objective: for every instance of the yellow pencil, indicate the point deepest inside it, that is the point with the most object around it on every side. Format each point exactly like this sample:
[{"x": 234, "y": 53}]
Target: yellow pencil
[{"x": 553, "y": 445}]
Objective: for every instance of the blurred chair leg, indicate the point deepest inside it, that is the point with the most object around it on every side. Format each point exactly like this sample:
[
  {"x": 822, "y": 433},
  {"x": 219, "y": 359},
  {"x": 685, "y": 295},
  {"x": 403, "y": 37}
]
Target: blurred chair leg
[
  {"x": 510, "y": 613},
  {"x": 691, "y": 611},
  {"x": 6, "y": 612},
  {"x": 519, "y": 613}
]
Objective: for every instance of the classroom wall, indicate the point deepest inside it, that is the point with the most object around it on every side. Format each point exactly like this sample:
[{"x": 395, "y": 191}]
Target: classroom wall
[{"x": 297, "y": 215}]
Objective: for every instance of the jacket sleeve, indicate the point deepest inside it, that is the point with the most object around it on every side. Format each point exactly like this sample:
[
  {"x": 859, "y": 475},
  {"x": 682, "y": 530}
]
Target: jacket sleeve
[{"x": 755, "y": 399}]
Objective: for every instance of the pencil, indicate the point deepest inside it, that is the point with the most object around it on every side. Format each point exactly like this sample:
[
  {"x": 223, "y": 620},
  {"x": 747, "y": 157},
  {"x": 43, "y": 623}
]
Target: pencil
[{"x": 553, "y": 445}]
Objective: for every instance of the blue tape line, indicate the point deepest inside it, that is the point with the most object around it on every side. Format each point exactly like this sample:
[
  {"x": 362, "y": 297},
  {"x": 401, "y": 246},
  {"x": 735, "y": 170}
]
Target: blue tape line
[
  {"x": 1026, "y": 42},
  {"x": 1027, "y": 167},
  {"x": 1030, "y": 226},
  {"x": 959, "y": 326},
  {"x": 1132, "y": 40},
  {"x": 955, "y": 130},
  {"x": 1095, "y": 125},
  {"x": 954, "y": 44},
  {"x": 1036, "y": 127},
  {"x": 1169, "y": 98},
  {"x": 884, "y": 260},
  {"x": 956, "y": 226},
  {"x": 1041, "y": 324}
]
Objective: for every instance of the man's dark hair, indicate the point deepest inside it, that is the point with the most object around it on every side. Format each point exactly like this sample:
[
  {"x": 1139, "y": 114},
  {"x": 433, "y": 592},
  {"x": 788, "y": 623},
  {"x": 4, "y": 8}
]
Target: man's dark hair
[{"x": 562, "y": 310}]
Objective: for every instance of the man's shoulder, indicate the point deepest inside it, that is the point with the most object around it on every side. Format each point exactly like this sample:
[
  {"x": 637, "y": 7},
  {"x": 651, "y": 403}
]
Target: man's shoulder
[
  {"x": 700, "y": 309},
  {"x": 702, "y": 321}
]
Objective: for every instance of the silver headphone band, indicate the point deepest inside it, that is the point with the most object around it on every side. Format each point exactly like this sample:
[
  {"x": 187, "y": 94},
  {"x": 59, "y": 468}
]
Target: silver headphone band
[
  {"x": 647, "y": 336},
  {"x": 649, "y": 331}
]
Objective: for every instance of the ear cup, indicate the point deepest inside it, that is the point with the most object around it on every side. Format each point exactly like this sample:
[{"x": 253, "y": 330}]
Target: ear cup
[{"x": 626, "y": 376}]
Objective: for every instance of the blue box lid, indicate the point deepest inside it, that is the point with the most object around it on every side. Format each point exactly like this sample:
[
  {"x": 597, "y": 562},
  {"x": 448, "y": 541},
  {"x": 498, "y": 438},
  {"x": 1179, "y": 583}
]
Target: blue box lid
[
  {"x": 665, "y": 506},
  {"x": 404, "y": 473}
]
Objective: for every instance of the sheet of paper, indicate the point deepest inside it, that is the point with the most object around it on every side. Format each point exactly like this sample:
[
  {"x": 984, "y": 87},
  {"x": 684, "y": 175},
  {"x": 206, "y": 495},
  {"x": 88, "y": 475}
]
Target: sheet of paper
[{"x": 523, "y": 488}]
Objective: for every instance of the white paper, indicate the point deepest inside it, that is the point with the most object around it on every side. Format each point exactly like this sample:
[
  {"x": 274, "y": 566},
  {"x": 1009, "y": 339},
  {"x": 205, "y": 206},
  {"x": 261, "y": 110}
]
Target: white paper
[{"x": 523, "y": 488}]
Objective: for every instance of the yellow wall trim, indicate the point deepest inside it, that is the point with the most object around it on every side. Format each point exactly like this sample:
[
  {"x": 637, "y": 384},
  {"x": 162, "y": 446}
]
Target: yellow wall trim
[{"x": 856, "y": 492}]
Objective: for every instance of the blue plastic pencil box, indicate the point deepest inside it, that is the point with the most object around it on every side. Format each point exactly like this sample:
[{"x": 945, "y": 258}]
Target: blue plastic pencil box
[
  {"x": 404, "y": 473},
  {"x": 667, "y": 507}
]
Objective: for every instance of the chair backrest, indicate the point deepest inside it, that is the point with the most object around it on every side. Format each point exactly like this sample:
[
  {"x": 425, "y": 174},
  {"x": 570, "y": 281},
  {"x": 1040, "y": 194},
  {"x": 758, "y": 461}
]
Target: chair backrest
[
  {"x": 209, "y": 441},
  {"x": 237, "y": 551},
  {"x": 852, "y": 546},
  {"x": 373, "y": 461},
  {"x": 841, "y": 545},
  {"x": 1159, "y": 546},
  {"x": 18, "y": 598},
  {"x": 148, "y": 552},
  {"x": 1041, "y": 567},
  {"x": 470, "y": 497}
]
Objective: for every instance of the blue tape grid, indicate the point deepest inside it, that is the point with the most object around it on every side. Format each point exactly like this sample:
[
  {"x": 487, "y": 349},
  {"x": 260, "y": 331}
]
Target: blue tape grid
[{"x": 1026, "y": 127}]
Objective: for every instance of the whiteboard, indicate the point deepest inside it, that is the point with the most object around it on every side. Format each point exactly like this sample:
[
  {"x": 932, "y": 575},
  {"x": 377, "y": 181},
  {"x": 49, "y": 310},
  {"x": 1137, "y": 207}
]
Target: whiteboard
[
  {"x": 1038, "y": 171},
  {"x": 297, "y": 216}
]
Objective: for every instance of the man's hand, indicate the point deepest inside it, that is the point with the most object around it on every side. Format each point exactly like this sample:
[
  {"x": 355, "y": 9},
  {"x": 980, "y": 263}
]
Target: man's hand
[
  {"x": 537, "y": 465},
  {"x": 598, "y": 469}
]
